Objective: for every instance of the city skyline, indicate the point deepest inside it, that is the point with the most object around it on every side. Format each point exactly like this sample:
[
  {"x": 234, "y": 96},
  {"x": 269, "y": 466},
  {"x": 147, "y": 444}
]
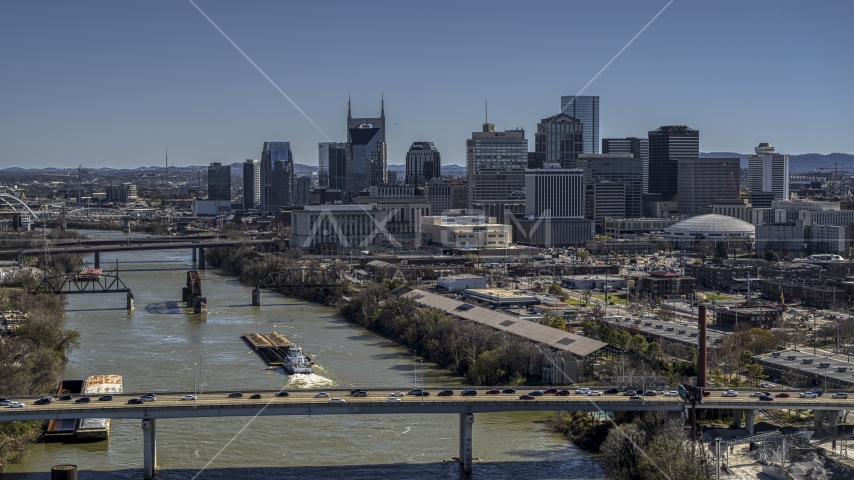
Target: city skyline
[{"x": 135, "y": 78}]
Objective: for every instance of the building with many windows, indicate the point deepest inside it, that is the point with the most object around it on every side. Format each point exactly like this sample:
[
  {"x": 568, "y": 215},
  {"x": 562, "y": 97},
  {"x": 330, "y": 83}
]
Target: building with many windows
[
  {"x": 368, "y": 151},
  {"x": 251, "y": 184},
  {"x": 333, "y": 161},
  {"x": 604, "y": 199},
  {"x": 301, "y": 190},
  {"x": 768, "y": 171},
  {"x": 630, "y": 146},
  {"x": 619, "y": 168},
  {"x": 586, "y": 109},
  {"x": 496, "y": 164},
  {"x": 272, "y": 180},
  {"x": 219, "y": 181},
  {"x": 559, "y": 139},
  {"x": 423, "y": 163},
  {"x": 553, "y": 192},
  {"x": 702, "y": 182},
  {"x": 666, "y": 146},
  {"x": 447, "y": 194},
  {"x": 465, "y": 231}
]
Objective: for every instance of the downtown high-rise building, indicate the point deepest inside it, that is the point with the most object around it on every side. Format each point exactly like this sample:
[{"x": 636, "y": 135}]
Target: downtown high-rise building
[
  {"x": 559, "y": 139},
  {"x": 302, "y": 187},
  {"x": 703, "y": 182},
  {"x": 496, "y": 164},
  {"x": 423, "y": 163},
  {"x": 586, "y": 109},
  {"x": 275, "y": 179},
  {"x": 368, "y": 150},
  {"x": 666, "y": 146},
  {"x": 553, "y": 192},
  {"x": 768, "y": 171},
  {"x": 251, "y": 184},
  {"x": 219, "y": 182},
  {"x": 333, "y": 161},
  {"x": 634, "y": 146},
  {"x": 625, "y": 169}
]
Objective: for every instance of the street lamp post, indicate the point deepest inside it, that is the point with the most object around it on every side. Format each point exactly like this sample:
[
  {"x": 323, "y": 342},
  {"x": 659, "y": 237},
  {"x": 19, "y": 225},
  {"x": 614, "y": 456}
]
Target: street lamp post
[{"x": 194, "y": 384}]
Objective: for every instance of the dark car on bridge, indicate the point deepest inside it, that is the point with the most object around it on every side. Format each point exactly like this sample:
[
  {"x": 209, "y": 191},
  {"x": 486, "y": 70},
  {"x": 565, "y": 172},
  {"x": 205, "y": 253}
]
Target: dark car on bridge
[
  {"x": 550, "y": 391},
  {"x": 766, "y": 398},
  {"x": 282, "y": 394},
  {"x": 446, "y": 392},
  {"x": 526, "y": 397},
  {"x": 536, "y": 393},
  {"x": 563, "y": 393},
  {"x": 83, "y": 400},
  {"x": 235, "y": 395},
  {"x": 66, "y": 397},
  {"x": 361, "y": 393},
  {"x": 255, "y": 396},
  {"x": 135, "y": 401},
  {"x": 41, "y": 401},
  {"x": 494, "y": 391},
  {"x": 509, "y": 390},
  {"x": 419, "y": 392},
  {"x": 468, "y": 392},
  {"x": 782, "y": 395},
  {"x": 105, "y": 398},
  {"x": 611, "y": 391}
]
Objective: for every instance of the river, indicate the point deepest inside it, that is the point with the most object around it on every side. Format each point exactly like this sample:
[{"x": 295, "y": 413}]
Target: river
[{"x": 159, "y": 346}]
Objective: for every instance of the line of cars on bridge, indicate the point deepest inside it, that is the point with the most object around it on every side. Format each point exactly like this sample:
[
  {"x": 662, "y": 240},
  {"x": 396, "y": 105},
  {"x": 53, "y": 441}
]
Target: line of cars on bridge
[{"x": 768, "y": 396}]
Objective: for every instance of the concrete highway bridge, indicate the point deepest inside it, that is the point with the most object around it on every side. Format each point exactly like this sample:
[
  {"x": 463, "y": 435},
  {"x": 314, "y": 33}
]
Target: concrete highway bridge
[{"x": 218, "y": 404}]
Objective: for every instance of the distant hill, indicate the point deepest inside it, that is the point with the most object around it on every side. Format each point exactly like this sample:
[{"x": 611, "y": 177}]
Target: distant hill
[{"x": 802, "y": 163}]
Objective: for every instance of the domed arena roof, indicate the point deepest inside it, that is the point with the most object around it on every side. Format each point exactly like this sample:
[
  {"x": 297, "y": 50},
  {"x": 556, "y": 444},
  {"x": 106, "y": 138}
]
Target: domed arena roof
[{"x": 711, "y": 226}]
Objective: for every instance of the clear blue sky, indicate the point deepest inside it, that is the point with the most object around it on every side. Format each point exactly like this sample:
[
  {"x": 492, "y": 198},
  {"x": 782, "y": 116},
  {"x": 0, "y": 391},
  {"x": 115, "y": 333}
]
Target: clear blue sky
[{"x": 107, "y": 83}]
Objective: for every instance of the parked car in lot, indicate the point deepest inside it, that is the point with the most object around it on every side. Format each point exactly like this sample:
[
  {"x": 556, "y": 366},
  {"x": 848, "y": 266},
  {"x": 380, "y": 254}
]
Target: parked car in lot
[
  {"x": 840, "y": 395},
  {"x": 730, "y": 393},
  {"x": 808, "y": 395},
  {"x": 526, "y": 397},
  {"x": 782, "y": 395}
]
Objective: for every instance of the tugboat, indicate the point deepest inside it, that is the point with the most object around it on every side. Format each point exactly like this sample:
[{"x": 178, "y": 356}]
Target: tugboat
[{"x": 296, "y": 361}]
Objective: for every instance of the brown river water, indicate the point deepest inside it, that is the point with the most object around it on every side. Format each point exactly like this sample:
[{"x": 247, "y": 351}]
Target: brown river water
[{"x": 158, "y": 346}]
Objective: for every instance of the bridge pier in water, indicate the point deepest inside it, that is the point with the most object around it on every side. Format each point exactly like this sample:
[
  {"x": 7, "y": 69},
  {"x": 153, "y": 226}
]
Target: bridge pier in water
[
  {"x": 194, "y": 254},
  {"x": 149, "y": 455},
  {"x": 130, "y": 305},
  {"x": 465, "y": 456},
  {"x": 256, "y": 297},
  {"x": 97, "y": 259},
  {"x": 201, "y": 258}
]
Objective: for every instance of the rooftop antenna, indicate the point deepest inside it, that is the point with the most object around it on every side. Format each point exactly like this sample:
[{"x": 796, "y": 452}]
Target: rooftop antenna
[
  {"x": 349, "y": 115},
  {"x": 382, "y": 105},
  {"x": 79, "y": 174},
  {"x": 485, "y": 111}
]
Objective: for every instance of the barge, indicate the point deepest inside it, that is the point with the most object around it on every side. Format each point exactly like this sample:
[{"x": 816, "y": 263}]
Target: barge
[
  {"x": 276, "y": 350},
  {"x": 88, "y": 428}
]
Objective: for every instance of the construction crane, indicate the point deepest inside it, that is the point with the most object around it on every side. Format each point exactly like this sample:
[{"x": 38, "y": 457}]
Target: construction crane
[
  {"x": 834, "y": 186},
  {"x": 734, "y": 185}
]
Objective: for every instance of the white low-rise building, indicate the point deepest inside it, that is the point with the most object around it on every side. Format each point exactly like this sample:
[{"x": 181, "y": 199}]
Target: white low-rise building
[
  {"x": 466, "y": 231},
  {"x": 456, "y": 283}
]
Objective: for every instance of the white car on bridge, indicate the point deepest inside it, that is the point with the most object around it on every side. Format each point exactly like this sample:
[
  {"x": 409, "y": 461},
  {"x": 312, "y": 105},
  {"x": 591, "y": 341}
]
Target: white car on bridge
[
  {"x": 321, "y": 395},
  {"x": 808, "y": 395},
  {"x": 840, "y": 395},
  {"x": 730, "y": 393},
  {"x": 583, "y": 391},
  {"x": 672, "y": 393}
]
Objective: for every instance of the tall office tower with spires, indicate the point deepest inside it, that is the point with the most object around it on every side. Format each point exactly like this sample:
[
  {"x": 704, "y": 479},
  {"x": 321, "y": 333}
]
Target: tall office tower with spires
[
  {"x": 586, "y": 109},
  {"x": 368, "y": 150},
  {"x": 276, "y": 180}
]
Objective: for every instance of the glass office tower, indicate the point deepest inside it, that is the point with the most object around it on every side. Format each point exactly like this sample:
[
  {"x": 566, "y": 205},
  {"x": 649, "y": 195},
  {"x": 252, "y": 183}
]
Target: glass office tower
[
  {"x": 667, "y": 144},
  {"x": 586, "y": 109},
  {"x": 273, "y": 152}
]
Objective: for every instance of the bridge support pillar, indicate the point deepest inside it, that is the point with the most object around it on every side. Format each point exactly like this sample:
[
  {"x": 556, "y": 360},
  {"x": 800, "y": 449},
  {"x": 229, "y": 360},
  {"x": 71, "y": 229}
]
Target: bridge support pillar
[
  {"x": 20, "y": 259},
  {"x": 818, "y": 419},
  {"x": 200, "y": 305},
  {"x": 833, "y": 418},
  {"x": 149, "y": 455},
  {"x": 466, "y": 422},
  {"x": 736, "y": 417},
  {"x": 256, "y": 297},
  {"x": 194, "y": 254},
  {"x": 97, "y": 259},
  {"x": 130, "y": 302},
  {"x": 126, "y": 224},
  {"x": 749, "y": 417},
  {"x": 201, "y": 258}
]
